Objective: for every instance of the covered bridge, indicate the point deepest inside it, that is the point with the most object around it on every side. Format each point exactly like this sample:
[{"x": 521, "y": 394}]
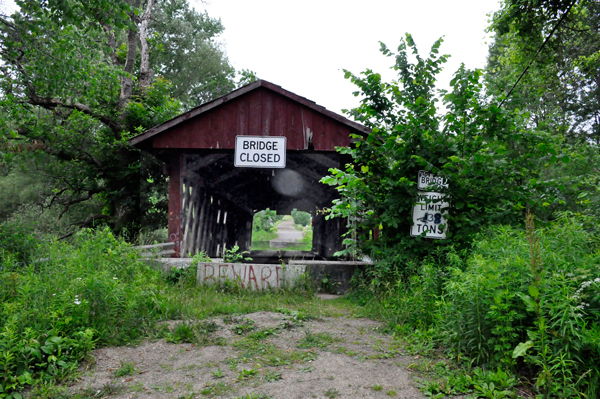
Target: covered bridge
[{"x": 212, "y": 202}]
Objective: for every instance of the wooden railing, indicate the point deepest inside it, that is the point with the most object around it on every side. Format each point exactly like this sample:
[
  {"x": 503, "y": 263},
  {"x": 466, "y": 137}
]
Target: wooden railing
[{"x": 157, "y": 250}]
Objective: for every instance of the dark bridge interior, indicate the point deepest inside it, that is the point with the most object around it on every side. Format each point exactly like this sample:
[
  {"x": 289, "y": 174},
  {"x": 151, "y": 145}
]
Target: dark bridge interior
[{"x": 219, "y": 201}]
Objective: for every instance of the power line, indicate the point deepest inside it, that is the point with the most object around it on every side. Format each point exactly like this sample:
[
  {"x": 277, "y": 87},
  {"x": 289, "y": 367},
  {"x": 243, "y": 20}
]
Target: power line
[{"x": 538, "y": 52}]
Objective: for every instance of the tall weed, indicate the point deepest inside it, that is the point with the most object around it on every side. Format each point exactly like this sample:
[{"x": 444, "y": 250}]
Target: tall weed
[
  {"x": 528, "y": 301},
  {"x": 69, "y": 298},
  {"x": 523, "y": 301}
]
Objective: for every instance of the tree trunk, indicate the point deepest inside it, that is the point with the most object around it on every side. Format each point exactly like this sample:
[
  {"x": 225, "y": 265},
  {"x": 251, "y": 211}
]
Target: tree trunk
[
  {"x": 127, "y": 78},
  {"x": 145, "y": 71}
]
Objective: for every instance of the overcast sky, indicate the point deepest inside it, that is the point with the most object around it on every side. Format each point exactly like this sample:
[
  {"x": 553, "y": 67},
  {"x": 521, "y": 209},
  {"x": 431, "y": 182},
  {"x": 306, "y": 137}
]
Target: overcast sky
[{"x": 304, "y": 46}]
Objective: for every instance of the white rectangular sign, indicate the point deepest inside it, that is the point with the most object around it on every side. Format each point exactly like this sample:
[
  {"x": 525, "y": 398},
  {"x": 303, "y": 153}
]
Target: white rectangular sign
[
  {"x": 429, "y": 216},
  {"x": 427, "y": 180},
  {"x": 260, "y": 151}
]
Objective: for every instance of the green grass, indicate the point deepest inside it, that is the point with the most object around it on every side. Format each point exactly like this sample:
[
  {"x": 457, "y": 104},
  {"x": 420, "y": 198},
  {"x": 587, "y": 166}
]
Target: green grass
[
  {"x": 267, "y": 354},
  {"x": 94, "y": 292},
  {"x": 302, "y": 246},
  {"x": 318, "y": 340},
  {"x": 264, "y": 235},
  {"x": 198, "y": 333},
  {"x": 125, "y": 369},
  {"x": 217, "y": 389},
  {"x": 201, "y": 302}
]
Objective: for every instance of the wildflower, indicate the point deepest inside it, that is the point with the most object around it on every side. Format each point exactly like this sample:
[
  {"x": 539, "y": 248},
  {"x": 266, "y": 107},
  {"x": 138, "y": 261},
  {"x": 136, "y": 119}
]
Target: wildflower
[{"x": 77, "y": 301}]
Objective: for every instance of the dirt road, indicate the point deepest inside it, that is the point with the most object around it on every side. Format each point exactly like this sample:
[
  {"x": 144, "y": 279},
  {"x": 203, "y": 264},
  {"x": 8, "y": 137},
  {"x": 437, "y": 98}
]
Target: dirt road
[
  {"x": 286, "y": 234},
  {"x": 258, "y": 355}
]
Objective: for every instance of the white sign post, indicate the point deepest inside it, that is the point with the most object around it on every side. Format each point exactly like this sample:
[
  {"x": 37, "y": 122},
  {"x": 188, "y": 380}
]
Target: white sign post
[
  {"x": 430, "y": 209},
  {"x": 260, "y": 151}
]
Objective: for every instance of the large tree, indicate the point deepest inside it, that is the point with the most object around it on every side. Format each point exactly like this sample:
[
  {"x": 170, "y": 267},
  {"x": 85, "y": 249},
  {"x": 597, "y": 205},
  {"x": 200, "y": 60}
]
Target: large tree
[
  {"x": 187, "y": 53},
  {"x": 79, "y": 78},
  {"x": 558, "y": 43}
]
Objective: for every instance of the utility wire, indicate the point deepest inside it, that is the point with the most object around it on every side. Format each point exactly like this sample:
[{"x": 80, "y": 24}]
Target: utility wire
[{"x": 538, "y": 52}]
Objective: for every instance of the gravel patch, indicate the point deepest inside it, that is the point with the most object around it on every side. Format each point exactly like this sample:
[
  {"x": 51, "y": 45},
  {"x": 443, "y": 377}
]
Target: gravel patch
[{"x": 324, "y": 358}]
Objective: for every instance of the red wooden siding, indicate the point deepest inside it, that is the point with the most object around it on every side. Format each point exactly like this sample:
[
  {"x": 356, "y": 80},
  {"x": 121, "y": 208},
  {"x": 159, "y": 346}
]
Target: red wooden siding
[{"x": 260, "y": 112}]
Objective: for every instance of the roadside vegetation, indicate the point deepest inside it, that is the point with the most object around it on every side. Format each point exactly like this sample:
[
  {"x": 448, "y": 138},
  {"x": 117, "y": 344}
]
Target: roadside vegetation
[
  {"x": 507, "y": 306},
  {"x": 511, "y": 295},
  {"x": 59, "y": 300},
  {"x": 517, "y": 315},
  {"x": 264, "y": 228}
]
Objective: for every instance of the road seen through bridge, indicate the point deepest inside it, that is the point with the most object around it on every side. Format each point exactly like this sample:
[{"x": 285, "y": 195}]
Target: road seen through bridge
[{"x": 286, "y": 234}]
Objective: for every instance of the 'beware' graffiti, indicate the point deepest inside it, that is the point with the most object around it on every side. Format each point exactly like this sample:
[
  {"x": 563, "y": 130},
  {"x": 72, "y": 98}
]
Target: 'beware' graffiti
[{"x": 253, "y": 276}]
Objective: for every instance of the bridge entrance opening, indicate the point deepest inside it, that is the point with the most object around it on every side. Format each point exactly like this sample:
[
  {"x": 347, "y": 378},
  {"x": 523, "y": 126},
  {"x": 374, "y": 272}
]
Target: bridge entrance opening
[
  {"x": 214, "y": 201},
  {"x": 272, "y": 232}
]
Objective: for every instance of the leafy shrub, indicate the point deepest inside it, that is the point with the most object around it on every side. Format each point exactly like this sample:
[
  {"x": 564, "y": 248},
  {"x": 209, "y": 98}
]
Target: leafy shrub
[
  {"x": 301, "y": 218},
  {"x": 488, "y": 154},
  {"x": 124, "y": 369},
  {"x": 265, "y": 220},
  {"x": 523, "y": 301},
  {"x": 234, "y": 255},
  {"x": 16, "y": 243},
  {"x": 93, "y": 291},
  {"x": 530, "y": 300},
  {"x": 186, "y": 276}
]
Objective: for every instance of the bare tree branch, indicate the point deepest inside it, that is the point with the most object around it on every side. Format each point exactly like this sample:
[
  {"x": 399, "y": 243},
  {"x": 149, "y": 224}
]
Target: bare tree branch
[
  {"x": 52, "y": 103},
  {"x": 68, "y": 204}
]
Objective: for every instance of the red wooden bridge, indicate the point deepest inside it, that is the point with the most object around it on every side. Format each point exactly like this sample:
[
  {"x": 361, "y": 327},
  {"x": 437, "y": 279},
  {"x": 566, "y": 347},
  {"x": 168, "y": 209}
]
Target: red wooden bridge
[{"x": 212, "y": 202}]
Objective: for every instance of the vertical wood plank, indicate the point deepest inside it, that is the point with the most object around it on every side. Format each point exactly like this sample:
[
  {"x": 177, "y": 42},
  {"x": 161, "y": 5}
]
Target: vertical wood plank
[
  {"x": 216, "y": 129},
  {"x": 175, "y": 204},
  {"x": 307, "y": 123},
  {"x": 278, "y": 116},
  {"x": 330, "y": 129},
  {"x": 267, "y": 116},
  {"x": 199, "y": 220},
  {"x": 248, "y": 231},
  {"x": 206, "y": 140},
  {"x": 319, "y": 132},
  {"x": 230, "y": 124},
  {"x": 206, "y": 225},
  {"x": 289, "y": 125},
  {"x": 255, "y": 114},
  {"x": 187, "y": 206},
  {"x": 190, "y": 134},
  {"x": 211, "y": 231},
  {"x": 295, "y": 137},
  {"x": 192, "y": 246},
  {"x": 242, "y": 117}
]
